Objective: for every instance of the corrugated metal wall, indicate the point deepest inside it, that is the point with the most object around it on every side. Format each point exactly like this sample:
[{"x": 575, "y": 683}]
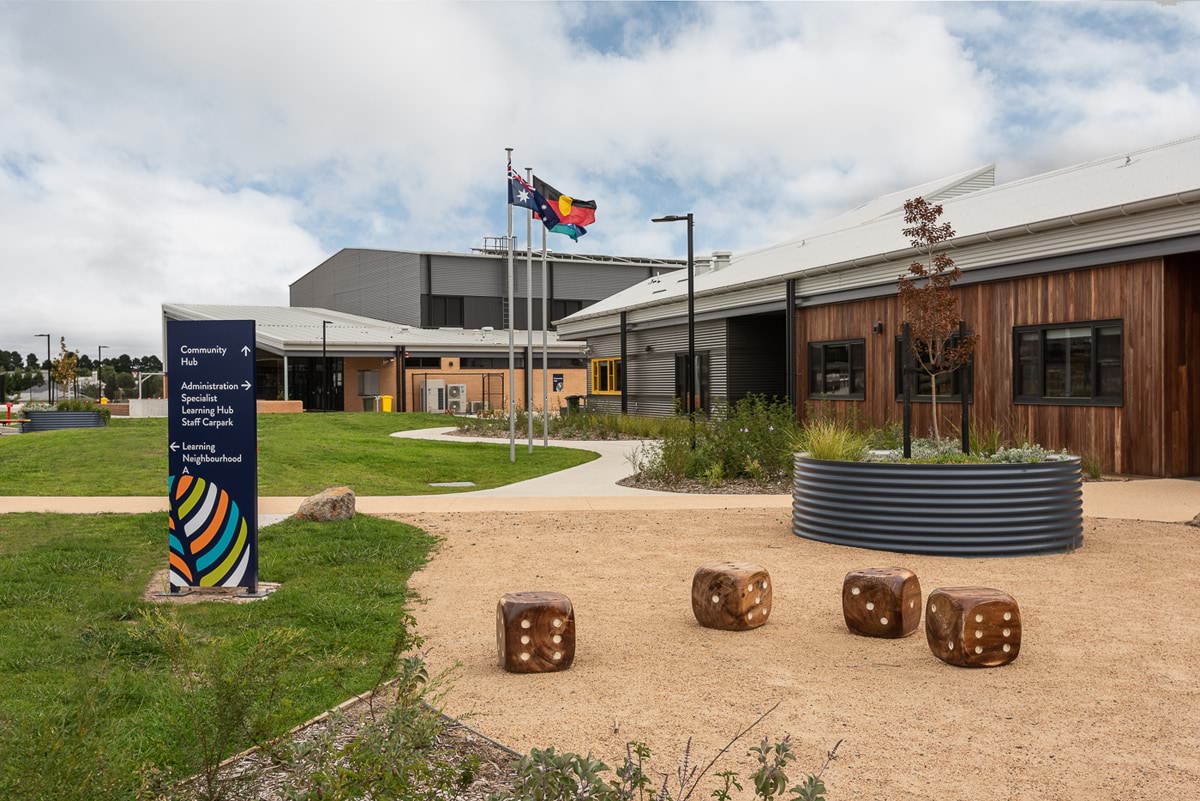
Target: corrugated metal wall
[
  {"x": 650, "y": 375},
  {"x": 459, "y": 275},
  {"x": 373, "y": 283},
  {"x": 593, "y": 282}
]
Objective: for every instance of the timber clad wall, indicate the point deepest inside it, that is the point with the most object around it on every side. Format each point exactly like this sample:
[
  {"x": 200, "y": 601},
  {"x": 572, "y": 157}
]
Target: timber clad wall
[
  {"x": 1181, "y": 411},
  {"x": 1151, "y": 433}
]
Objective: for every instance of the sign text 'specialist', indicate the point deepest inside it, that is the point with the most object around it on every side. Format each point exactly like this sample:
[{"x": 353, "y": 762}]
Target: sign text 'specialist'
[{"x": 213, "y": 460}]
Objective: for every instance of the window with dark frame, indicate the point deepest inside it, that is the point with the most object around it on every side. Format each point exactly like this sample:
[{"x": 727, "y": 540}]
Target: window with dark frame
[
  {"x": 702, "y": 380},
  {"x": 949, "y": 384},
  {"x": 1074, "y": 364},
  {"x": 837, "y": 370},
  {"x": 564, "y": 308},
  {"x": 445, "y": 311}
]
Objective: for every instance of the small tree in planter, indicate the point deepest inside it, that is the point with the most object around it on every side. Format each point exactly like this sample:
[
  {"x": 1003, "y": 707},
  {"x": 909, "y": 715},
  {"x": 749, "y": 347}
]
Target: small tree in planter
[
  {"x": 929, "y": 305},
  {"x": 64, "y": 369}
]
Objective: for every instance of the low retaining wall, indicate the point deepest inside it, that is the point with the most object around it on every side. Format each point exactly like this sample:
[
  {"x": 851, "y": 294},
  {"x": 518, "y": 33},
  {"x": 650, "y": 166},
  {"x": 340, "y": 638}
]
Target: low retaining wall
[
  {"x": 148, "y": 407},
  {"x": 940, "y": 509},
  {"x": 279, "y": 407},
  {"x": 53, "y": 421}
]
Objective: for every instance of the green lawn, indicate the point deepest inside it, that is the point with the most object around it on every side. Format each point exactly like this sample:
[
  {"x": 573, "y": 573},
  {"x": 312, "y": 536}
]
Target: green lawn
[
  {"x": 90, "y": 694},
  {"x": 299, "y": 454}
]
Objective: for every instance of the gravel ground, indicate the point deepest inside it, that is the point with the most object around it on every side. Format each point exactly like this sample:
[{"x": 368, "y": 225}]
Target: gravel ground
[{"x": 1103, "y": 703}]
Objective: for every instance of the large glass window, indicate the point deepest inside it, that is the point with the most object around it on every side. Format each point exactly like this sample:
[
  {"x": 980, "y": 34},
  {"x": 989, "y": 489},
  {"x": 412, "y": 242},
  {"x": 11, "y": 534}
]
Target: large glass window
[
  {"x": 702, "y": 380},
  {"x": 1074, "y": 363},
  {"x": 606, "y": 376},
  {"x": 949, "y": 385},
  {"x": 837, "y": 369}
]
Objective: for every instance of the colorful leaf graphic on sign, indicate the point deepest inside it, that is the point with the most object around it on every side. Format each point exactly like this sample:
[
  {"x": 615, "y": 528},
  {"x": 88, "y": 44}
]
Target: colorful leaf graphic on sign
[{"x": 209, "y": 539}]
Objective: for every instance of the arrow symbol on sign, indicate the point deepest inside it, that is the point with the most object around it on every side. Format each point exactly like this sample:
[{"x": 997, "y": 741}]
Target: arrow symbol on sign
[
  {"x": 174, "y": 447},
  {"x": 245, "y": 350},
  {"x": 245, "y": 385}
]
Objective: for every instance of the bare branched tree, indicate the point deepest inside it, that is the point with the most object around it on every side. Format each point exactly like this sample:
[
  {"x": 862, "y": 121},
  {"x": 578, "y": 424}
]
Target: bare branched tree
[{"x": 929, "y": 305}]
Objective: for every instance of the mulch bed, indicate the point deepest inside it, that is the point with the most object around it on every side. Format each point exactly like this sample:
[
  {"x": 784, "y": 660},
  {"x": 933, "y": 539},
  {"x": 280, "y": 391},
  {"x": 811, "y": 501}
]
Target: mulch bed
[{"x": 736, "y": 486}]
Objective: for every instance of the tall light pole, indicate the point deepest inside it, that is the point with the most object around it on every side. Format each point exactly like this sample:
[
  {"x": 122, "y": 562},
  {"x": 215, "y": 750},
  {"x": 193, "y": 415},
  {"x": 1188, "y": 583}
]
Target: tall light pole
[
  {"x": 690, "y": 386},
  {"x": 49, "y": 378},
  {"x": 324, "y": 368},
  {"x": 100, "y": 373}
]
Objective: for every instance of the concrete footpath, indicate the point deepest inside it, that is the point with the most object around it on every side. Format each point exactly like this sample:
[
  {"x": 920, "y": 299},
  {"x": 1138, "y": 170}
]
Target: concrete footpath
[{"x": 593, "y": 487}]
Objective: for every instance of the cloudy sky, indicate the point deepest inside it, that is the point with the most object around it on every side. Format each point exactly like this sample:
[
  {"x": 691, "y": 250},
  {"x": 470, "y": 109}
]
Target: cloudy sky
[{"x": 213, "y": 153}]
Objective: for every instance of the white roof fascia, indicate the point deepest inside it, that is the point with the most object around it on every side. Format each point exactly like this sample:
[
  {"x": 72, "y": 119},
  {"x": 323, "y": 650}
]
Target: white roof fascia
[
  {"x": 276, "y": 327},
  {"x": 1182, "y": 170}
]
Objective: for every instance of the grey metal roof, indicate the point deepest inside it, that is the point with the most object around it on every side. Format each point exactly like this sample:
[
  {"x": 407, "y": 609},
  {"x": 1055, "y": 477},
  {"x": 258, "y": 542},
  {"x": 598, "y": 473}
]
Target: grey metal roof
[
  {"x": 1141, "y": 195},
  {"x": 292, "y": 328},
  {"x": 493, "y": 248}
]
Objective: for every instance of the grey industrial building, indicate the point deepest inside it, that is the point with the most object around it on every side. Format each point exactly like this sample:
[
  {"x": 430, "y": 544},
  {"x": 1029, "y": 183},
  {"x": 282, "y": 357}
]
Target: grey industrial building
[{"x": 465, "y": 290}]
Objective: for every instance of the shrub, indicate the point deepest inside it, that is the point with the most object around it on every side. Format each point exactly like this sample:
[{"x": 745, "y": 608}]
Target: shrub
[
  {"x": 1092, "y": 466},
  {"x": 823, "y": 438},
  {"x": 749, "y": 440},
  {"x": 83, "y": 405},
  {"x": 1027, "y": 454},
  {"x": 546, "y": 775}
]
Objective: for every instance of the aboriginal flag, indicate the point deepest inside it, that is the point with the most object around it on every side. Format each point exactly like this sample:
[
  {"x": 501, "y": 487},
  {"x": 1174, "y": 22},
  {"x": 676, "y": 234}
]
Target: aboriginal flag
[{"x": 570, "y": 211}]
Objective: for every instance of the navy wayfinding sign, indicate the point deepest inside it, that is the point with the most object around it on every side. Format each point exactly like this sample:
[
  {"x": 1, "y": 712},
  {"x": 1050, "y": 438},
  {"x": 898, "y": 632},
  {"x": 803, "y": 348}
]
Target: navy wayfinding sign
[{"x": 213, "y": 461}]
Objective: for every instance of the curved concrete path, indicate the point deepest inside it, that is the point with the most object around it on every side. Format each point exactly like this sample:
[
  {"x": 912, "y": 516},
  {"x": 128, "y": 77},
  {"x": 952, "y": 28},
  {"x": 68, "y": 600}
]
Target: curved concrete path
[
  {"x": 593, "y": 486},
  {"x": 597, "y": 478}
]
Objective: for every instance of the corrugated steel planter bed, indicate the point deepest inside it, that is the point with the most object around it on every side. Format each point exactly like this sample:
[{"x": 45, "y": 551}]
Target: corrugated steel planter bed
[
  {"x": 940, "y": 509},
  {"x": 51, "y": 421}
]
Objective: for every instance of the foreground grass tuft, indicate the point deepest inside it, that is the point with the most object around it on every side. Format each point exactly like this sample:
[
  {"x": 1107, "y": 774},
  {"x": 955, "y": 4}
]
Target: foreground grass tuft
[{"x": 91, "y": 695}]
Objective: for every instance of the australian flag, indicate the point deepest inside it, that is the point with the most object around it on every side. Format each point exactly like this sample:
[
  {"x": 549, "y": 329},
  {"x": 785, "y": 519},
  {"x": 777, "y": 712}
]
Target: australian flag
[{"x": 520, "y": 193}]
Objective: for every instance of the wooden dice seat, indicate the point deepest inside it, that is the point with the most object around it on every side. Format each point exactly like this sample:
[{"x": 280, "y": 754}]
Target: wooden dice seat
[
  {"x": 535, "y": 632},
  {"x": 973, "y": 626},
  {"x": 881, "y": 602},
  {"x": 731, "y": 596}
]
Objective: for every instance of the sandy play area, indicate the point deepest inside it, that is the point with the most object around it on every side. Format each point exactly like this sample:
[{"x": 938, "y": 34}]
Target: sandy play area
[{"x": 1103, "y": 702}]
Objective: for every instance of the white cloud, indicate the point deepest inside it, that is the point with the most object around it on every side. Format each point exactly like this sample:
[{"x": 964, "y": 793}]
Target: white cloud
[{"x": 215, "y": 152}]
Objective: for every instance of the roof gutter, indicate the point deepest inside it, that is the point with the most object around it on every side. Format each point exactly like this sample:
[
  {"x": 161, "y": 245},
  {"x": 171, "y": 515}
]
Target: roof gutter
[{"x": 995, "y": 235}]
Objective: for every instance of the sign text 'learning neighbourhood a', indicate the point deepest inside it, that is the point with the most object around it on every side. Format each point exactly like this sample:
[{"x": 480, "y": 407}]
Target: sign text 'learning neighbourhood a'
[{"x": 213, "y": 463}]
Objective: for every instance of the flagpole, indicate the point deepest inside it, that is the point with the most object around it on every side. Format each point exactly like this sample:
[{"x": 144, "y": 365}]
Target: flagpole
[
  {"x": 529, "y": 314},
  {"x": 512, "y": 371},
  {"x": 545, "y": 362}
]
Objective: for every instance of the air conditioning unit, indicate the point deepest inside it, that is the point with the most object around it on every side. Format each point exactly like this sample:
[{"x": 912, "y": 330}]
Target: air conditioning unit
[
  {"x": 433, "y": 392},
  {"x": 458, "y": 392},
  {"x": 457, "y": 406},
  {"x": 478, "y": 407}
]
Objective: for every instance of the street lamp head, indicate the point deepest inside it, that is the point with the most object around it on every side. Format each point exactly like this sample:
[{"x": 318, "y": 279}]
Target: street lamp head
[{"x": 670, "y": 218}]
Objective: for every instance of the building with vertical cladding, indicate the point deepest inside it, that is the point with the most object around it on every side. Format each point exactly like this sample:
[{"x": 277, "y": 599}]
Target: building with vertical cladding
[
  {"x": 465, "y": 290},
  {"x": 1083, "y": 285}
]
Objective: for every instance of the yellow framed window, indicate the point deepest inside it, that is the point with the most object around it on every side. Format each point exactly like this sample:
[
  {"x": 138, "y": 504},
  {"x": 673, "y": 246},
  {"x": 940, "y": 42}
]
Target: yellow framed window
[{"x": 606, "y": 376}]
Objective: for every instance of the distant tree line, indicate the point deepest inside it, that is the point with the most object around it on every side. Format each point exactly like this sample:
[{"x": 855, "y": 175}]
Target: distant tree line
[{"x": 118, "y": 374}]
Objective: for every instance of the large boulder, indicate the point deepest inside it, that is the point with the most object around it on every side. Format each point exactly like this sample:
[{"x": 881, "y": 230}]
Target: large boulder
[
  {"x": 335, "y": 503},
  {"x": 1195, "y": 521}
]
